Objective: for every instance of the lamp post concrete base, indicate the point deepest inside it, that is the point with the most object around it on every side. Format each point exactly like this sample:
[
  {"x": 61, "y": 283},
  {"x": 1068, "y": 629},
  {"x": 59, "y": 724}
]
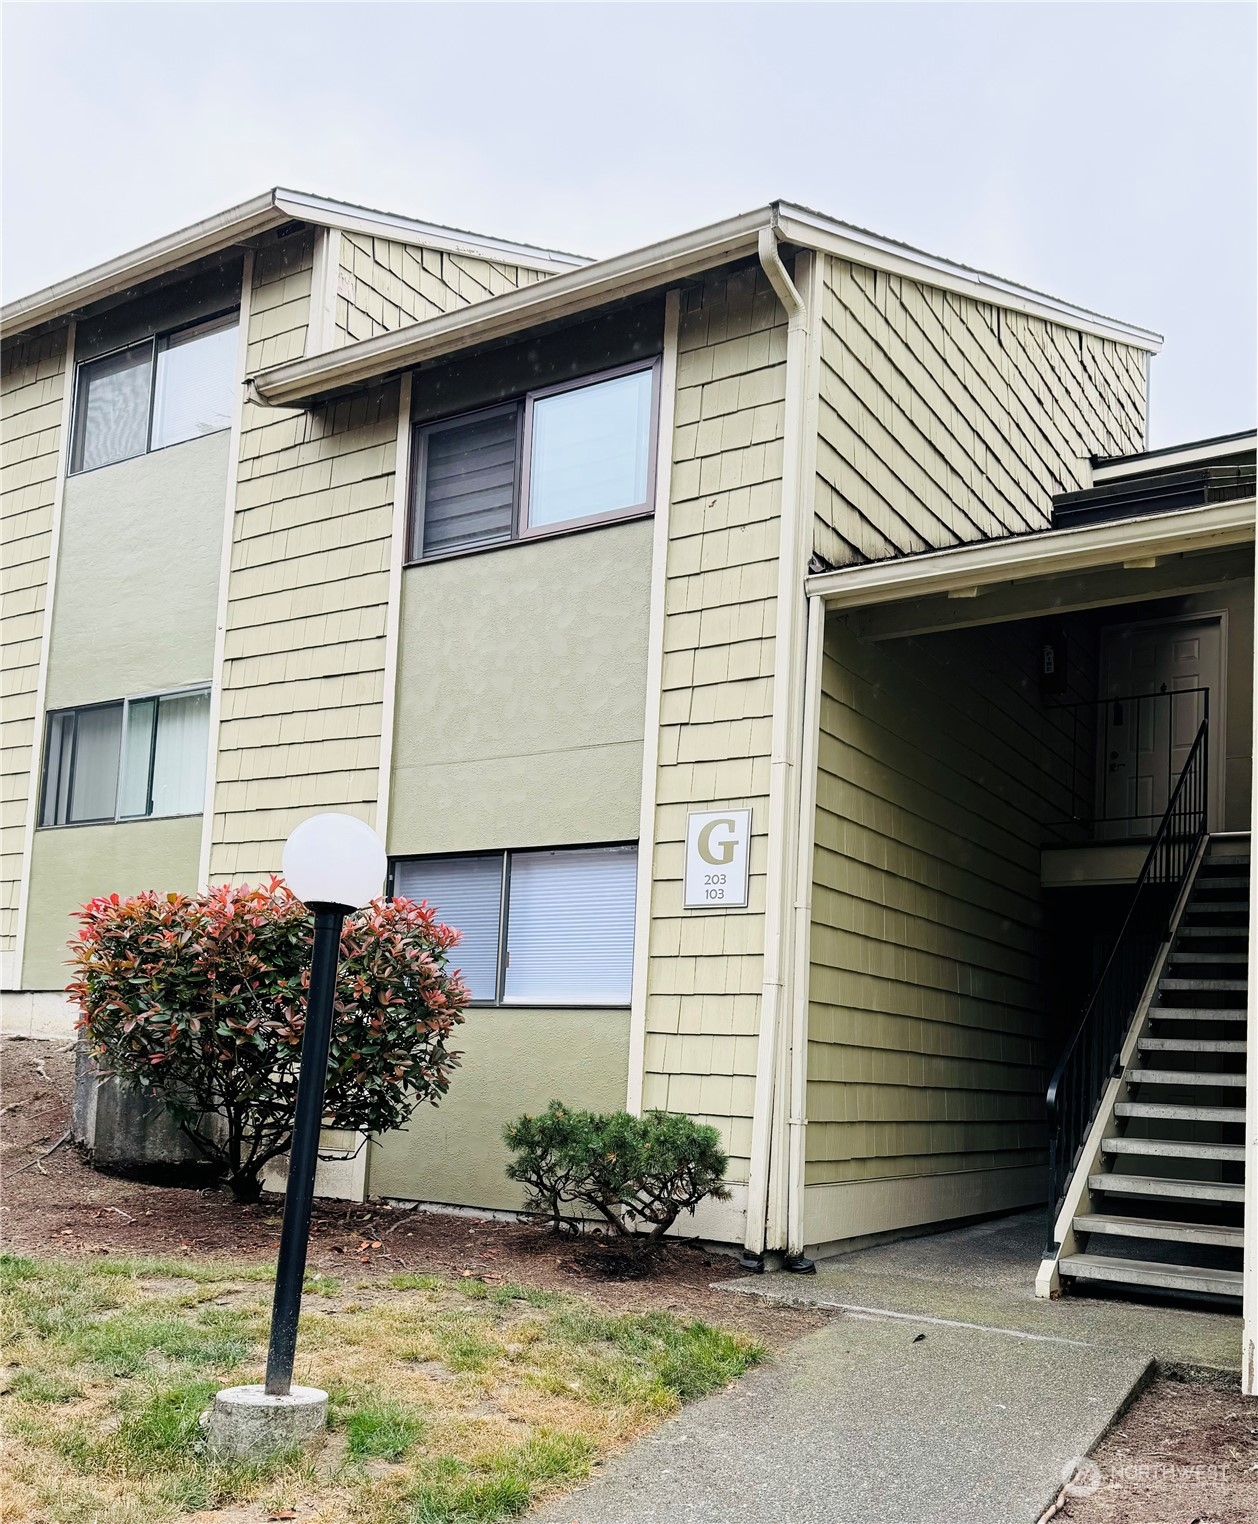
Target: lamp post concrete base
[{"x": 246, "y": 1425}]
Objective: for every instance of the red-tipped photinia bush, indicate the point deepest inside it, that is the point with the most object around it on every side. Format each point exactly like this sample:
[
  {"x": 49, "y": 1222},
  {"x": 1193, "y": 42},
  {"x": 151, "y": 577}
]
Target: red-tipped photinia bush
[{"x": 200, "y": 1000}]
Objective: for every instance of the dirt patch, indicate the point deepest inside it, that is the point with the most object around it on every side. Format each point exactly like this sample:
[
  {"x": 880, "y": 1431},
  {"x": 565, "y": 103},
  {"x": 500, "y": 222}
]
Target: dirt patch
[
  {"x": 1186, "y": 1452},
  {"x": 56, "y": 1203}
]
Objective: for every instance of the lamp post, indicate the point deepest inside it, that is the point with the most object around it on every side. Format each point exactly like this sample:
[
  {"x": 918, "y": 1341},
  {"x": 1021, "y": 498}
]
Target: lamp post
[{"x": 334, "y": 864}]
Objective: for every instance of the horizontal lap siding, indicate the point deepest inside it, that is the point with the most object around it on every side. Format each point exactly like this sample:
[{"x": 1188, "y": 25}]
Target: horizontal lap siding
[
  {"x": 303, "y": 673},
  {"x": 706, "y": 969},
  {"x": 937, "y": 766},
  {"x": 946, "y": 420},
  {"x": 393, "y": 284},
  {"x": 33, "y": 390}
]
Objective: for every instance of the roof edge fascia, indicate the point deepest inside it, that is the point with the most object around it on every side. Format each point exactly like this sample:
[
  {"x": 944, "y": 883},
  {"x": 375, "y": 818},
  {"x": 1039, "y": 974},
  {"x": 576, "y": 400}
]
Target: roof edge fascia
[
  {"x": 325, "y": 212},
  {"x": 1171, "y": 458},
  {"x": 1045, "y": 553},
  {"x": 209, "y": 236},
  {"x": 299, "y": 381},
  {"x": 814, "y": 230},
  {"x": 259, "y": 215}
]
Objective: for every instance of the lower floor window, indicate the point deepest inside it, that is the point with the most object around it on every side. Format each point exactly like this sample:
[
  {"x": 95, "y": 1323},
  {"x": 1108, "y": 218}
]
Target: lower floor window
[
  {"x": 126, "y": 760},
  {"x": 538, "y": 928}
]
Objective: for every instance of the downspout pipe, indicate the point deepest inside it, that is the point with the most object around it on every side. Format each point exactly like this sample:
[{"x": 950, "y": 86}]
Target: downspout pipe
[
  {"x": 779, "y": 278},
  {"x": 766, "y": 1200}
]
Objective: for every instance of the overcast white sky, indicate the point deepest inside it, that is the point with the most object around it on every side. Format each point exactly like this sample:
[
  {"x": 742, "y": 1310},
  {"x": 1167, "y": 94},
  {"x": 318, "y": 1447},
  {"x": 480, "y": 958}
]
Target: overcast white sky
[{"x": 1102, "y": 152}]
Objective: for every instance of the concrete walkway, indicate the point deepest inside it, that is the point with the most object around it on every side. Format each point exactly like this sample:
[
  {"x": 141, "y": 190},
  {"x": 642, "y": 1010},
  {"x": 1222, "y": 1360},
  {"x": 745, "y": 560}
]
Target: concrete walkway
[{"x": 946, "y": 1394}]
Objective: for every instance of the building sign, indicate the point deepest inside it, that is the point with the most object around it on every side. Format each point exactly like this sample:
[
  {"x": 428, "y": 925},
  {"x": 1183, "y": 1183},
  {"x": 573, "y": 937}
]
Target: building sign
[{"x": 717, "y": 846}]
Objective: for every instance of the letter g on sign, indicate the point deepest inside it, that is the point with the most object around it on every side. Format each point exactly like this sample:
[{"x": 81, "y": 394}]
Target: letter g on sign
[{"x": 719, "y": 853}]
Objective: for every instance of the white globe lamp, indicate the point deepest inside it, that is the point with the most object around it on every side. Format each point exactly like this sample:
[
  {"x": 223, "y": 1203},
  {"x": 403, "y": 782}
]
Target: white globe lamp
[{"x": 334, "y": 860}]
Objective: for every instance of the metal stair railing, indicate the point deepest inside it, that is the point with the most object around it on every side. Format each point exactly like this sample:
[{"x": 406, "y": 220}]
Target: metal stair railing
[{"x": 1087, "y": 1065}]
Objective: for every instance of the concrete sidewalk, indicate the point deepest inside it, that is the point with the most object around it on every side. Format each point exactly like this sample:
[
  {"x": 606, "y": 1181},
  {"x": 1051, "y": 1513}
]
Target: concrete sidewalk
[{"x": 945, "y": 1393}]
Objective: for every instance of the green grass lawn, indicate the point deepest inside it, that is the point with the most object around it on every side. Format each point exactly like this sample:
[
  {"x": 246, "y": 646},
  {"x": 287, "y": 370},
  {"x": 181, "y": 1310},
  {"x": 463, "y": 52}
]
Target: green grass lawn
[{"x": 452, "y": 1402}]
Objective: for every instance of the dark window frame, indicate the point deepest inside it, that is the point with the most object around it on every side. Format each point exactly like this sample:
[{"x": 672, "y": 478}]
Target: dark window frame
[
  {"x": 153, "y": 343},
  {"x": 521, "y": 532},
  {"x": 51, "y": 716},
  {"x": 504, "y": 856},
  {"x": 419, "y": 478}
]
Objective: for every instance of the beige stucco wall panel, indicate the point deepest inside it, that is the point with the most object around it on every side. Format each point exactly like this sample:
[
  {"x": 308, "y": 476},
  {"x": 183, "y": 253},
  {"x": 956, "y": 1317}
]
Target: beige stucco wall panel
[
  {"x": 137, "y": 586},
  {"x": 514, "y": 1061},
  {"x": 521, "y": 695},
  {"x": 73, "y": 864}
]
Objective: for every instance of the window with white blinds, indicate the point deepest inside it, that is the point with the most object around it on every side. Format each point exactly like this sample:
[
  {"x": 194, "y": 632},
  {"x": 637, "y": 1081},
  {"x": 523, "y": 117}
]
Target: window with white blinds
[
  {"x": 570, "y": 927},
  {"x": 466, "y": 893},
  {"x": 569, "y": 921}
]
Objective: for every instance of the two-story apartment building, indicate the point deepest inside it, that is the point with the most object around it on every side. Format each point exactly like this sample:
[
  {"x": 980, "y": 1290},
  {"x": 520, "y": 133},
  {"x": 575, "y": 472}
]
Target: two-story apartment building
[{"x": 775, "y": 649}]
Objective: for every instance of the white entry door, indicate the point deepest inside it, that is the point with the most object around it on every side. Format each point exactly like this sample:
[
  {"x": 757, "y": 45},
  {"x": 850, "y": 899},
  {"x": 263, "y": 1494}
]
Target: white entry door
[{"x": 1154, "y": 678}]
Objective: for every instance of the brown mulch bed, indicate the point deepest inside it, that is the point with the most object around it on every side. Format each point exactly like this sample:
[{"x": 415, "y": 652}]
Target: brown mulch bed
[
  {"x": 55, "y": 1203},
  {"x": 1185, "y": 1452}
]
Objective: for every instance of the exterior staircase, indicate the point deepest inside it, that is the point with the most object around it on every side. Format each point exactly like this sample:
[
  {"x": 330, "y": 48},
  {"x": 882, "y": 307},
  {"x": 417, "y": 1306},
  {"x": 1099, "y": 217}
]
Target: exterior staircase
[{"x": 1161, "y": 1203}]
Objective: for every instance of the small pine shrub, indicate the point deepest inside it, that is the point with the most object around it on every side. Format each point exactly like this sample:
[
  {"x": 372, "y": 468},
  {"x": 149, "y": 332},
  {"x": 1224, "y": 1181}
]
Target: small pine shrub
[{"x": 636, "y": 1174}]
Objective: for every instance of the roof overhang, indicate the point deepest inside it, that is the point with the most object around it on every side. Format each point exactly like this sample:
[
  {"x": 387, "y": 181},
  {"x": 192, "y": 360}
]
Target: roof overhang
[
  {"x": 161, "y": 256},
  {"x": 963, "y": 570},
  {"x": 302, "y": 381},
  {"x": 239, "y": 224},
  {"x": 1174, "y": 456},
  {"x": 567, "y": 295}
]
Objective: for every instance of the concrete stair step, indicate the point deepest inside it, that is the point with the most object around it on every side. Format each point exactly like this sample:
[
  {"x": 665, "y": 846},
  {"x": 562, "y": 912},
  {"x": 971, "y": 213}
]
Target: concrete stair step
[
  {"x": 1213, "y": 910},
  {"x": 1209, "y": 957},
  {"x": 1222, "y": 878},
  {"x": 1203, "y": 984},
  {"x": 1139, "y": 1272},
  {"x": 1194, "y": 1077},
  {"x": 1165, "y": 1188},
  {"x": 1198, "y": 1013},
  {"x": 1189, "y": 1045},
  {"x": 1174, "y": 1148},
  {"x": 1169, "y": 1112},
  {"x": 1214, "y": 1234},
  {"x": 1229, "y": 933}
]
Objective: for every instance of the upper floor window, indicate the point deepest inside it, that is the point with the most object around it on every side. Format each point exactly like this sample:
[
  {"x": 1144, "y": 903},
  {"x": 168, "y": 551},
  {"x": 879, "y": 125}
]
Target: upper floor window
[
  {"x": 126, "y": 760},
  {"x": 558, "y": 457},
  {"x": 161, "y": 391}
]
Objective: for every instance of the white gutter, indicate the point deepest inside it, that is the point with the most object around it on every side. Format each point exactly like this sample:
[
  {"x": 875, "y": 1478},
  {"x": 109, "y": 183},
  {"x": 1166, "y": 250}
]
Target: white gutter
[
  {"x": 157, "y": 258},
  {"x": 238, "y": 223},
  {"x": 300, "y": 381},
  {"x": 343, "y": 215},
  {"x": 768, "y": 1183},
  {"x": 814, "y": 230},
  {"x": 1051, "y": 553},
  {"x": 1171, "y": 459}
]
